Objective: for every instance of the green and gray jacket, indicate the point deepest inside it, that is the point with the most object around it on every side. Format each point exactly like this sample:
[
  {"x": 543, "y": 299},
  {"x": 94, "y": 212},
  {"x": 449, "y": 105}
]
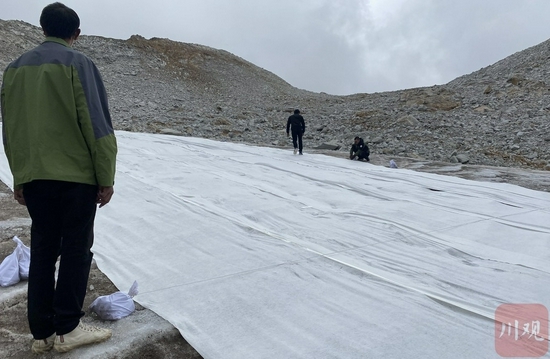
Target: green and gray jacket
[{"x": 56, "y": 121}]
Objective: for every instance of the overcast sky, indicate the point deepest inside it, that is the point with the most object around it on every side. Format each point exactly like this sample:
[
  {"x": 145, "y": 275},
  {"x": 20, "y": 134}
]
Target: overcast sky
[{"x": 335, "y": 46}]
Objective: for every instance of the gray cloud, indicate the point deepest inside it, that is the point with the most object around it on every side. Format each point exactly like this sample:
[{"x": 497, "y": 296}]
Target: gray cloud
[
  {"x": 433, "y": 42},
  {"x": 335, "y": 46}
]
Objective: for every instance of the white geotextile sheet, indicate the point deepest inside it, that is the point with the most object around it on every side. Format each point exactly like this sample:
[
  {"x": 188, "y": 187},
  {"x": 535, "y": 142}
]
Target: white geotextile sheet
[{"x": 256, "y": 253}]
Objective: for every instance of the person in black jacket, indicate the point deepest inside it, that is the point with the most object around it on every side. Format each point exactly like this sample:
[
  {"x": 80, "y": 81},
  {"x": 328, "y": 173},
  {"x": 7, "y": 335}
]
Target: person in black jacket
[
  {"x": 360, "y": 150},
  {"x": 298, "y": 126}
]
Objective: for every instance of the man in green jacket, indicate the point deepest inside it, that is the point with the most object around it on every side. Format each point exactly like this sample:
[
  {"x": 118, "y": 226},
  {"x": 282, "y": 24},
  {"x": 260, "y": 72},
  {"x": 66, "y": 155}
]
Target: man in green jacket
[{"x": 61, "y": 148}]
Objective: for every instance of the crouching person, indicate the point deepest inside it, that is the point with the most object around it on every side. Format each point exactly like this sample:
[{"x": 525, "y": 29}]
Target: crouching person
[
  {"x": 359, "y": 150},
  {"x": 61, "y": 149}
]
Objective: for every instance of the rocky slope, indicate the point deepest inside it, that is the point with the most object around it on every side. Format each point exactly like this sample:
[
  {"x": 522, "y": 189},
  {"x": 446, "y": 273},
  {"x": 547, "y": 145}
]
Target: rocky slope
[{"x": 495, "y": 116}]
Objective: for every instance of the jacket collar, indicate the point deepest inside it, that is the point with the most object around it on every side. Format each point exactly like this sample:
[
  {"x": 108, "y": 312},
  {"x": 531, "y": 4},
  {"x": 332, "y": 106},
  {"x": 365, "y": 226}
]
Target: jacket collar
[{"x": 57, "y": 40}]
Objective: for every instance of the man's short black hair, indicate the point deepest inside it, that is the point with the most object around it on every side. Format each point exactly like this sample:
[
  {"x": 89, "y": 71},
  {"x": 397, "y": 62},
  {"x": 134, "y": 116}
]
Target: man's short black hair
[
  {"x": 58, "y": 20},
  {"x": 356, "y": 138},
  {"x": 296, "y": 111}
]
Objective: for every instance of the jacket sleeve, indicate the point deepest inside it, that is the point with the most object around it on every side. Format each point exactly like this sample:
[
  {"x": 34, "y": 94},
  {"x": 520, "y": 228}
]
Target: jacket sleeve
[
  {"x": 287, "y": 125},
  {"x": 2, "y": 109},
  {"x": 95, "y": 120},
  {"x": 4, "y": 135}
]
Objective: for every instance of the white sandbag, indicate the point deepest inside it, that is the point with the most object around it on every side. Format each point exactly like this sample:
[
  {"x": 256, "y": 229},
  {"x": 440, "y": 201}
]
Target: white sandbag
[
  {"x": 393, "y": 164},
  {"x": 24, "y": 258},
  {"x": 9, "y": 270},
  {"x": 115, "y": 306}
]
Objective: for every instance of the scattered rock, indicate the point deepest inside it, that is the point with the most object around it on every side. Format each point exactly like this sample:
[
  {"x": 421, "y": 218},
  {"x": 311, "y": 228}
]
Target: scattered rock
[
  {"x": 169, "y": 131},
  {"x": 328, "y": 146},
  {"x": 409, "y": 120},
  {"x": 515, "y": 80},
  {"x": 463, "y": 158}
]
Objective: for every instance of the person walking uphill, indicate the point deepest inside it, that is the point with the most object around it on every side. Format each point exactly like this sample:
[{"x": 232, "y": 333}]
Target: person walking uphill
[
  {"x": 61, "y": 149},
  {"x": 297, "y": 125}
]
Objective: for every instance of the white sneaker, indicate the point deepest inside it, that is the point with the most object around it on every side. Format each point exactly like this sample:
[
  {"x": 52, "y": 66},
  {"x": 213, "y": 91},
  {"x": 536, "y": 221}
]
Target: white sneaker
[
  {"x": 295, "y": 151},
  {"x": 81, "y": 335},
  {"x": 41, "y": 346}
]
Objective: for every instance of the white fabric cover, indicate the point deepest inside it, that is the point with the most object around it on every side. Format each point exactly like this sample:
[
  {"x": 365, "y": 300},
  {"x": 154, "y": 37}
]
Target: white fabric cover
[{"x": 257, "y": 253}]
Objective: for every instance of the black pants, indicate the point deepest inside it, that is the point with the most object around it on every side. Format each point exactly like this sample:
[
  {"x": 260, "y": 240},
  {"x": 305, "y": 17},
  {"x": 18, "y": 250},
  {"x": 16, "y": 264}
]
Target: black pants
[
  {"x": 360, "y": 156},
  {"x": 297, "y": 139},
  {"x": 62, "y": 216}
]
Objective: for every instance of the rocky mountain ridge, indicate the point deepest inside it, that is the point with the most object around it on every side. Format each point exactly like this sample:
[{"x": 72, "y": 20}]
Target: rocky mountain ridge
[{"x": 495, "y": 116}]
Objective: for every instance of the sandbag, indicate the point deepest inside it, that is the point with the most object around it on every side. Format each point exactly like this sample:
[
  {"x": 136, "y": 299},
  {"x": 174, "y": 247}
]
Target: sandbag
[
  {"x": 24, "y": 258},
  {"x": 115, "y": 306},
  {"x": 15, "y": 267},
  {"x": 9, "y": 270}
]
